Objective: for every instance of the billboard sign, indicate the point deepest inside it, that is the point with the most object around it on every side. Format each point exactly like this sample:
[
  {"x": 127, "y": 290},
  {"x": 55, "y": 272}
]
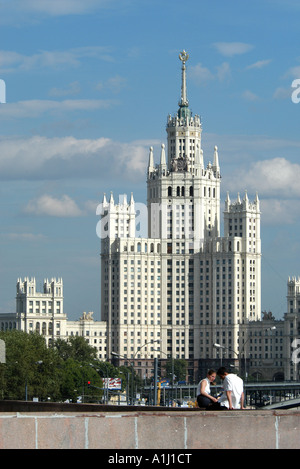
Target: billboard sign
[
  {"x": 165, "y": 383},
  {"x": 112, "y": 383}
]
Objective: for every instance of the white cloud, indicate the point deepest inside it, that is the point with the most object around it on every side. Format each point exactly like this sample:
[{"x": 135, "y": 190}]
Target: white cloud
[
  {"x": 277, "y": 183},
  {"x": 235, "y": 151},
  {"x": 250, "y": 96},
  {"x": 223, "y": 72},
  {"x": 282, "y": 93},
  {"x": 274, "y": 177},
  {"x": 51, "y": 206},
  {"x": 30, "y": 237},
  {"x": 67, "y": 157},
  {"x": 72, "y": 89},
  {"x": 31, "y": 10},
  {"x": 114, "y": 84},
  {"x": 280, "y": 212},
  {"x": 259, "y": 64},
  {"x": 229, "y": 49},
  {"x": 202, "y": 75},
  {"x": 11, "y": 61},
  {"x": 293, "y": 72},
  {"x": 37, "y": 107}
]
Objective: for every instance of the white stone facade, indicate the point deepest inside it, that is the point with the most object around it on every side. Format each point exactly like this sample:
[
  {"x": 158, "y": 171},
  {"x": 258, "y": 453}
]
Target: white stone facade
[{"x": 41, "y": 312}]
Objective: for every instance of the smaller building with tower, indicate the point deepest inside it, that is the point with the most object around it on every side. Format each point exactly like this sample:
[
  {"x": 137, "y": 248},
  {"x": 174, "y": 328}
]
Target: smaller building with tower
[{"x": 42, "y": 312}]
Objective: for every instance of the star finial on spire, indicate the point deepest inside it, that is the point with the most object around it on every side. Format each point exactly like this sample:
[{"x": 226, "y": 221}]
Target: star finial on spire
[{"x": 184, "y": 56}]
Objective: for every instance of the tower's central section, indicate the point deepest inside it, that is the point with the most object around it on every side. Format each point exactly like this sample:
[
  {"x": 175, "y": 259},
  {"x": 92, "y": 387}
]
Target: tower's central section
[
  {"x": 184, "y": 131},
  {"x": 183, "y": 195}
]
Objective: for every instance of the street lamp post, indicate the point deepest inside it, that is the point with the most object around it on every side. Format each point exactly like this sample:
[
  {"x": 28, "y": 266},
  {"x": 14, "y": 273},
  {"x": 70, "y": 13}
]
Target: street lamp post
[
  {"x": 145, "y": 344},
  {"x": 219, "y": 346}
]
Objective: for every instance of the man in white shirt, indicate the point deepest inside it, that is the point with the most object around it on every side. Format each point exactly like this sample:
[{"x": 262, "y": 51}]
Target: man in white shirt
[{"x": 233, "y": 394}]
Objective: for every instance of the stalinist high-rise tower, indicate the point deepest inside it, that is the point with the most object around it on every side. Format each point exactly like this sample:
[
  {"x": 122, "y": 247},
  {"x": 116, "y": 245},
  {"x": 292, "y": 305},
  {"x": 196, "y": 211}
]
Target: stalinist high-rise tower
[{"x": 184, "y": 287}]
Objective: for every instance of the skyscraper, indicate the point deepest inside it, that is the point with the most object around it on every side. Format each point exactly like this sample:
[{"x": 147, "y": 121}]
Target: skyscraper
[{"x": 182, "y": 287}]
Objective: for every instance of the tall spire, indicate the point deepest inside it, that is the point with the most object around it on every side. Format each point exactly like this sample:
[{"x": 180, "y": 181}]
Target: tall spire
[
  {"x": 183, "y": 56},
  {"x": 184, "y": 103}
]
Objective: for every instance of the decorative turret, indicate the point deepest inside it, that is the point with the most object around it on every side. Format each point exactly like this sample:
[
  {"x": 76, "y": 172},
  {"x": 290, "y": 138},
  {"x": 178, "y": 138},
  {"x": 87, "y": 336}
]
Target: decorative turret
[
  {"x": 227, "y": 202},
  {"x": 151, "y": 161},
  {"x": 131, "y": 205},
  {"x": 163, "y": 164},
  {"x": 216, "y": 166},
  {"x": 163, "y": 155}
]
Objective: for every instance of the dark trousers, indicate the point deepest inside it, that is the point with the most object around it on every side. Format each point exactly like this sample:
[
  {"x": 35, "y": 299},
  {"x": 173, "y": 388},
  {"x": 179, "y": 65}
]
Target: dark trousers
[
  {"x": 207, "y": 403},
  {"x": 216, "y": 406},
  {"x": 203, "y": 401}
]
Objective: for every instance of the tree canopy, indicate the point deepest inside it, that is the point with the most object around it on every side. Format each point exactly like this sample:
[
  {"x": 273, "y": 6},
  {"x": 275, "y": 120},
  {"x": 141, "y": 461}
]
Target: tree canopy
[{"x": 58, "y": 373}]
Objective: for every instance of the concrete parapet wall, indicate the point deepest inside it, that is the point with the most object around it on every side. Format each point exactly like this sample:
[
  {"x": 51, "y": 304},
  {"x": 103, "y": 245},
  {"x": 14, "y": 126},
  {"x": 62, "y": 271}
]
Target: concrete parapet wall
[{"x": 184, "y": 429}]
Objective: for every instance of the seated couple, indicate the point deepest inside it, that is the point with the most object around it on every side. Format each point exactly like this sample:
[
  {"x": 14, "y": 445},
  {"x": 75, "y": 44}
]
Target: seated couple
[{"x": 232, "y": 396}]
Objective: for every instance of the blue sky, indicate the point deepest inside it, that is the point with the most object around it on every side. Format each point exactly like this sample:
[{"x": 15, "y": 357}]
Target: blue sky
[{"x": 89, "y": 86}]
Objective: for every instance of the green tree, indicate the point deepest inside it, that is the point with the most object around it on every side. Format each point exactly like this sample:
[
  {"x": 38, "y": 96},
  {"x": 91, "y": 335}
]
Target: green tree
[
  {"x": 30, "y": 369},
  {"x": 58, "y": 373},
  {"x": 74, "y": 378},
  {"x": 75, "y": 347},
  {"x": 76, "y": 369},
  {"x": 178, "y": 367}
]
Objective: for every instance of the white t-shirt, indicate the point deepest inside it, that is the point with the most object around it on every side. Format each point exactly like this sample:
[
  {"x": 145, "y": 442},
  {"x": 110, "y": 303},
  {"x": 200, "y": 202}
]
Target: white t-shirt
[
  {"x": 234, "y": 384},
  {"x": 207, "y": 387}
]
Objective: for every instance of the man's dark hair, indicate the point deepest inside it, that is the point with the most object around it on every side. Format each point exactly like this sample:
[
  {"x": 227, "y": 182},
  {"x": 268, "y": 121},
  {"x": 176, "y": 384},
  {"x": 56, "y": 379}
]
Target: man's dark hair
[{"x": 221, "y": 371}]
